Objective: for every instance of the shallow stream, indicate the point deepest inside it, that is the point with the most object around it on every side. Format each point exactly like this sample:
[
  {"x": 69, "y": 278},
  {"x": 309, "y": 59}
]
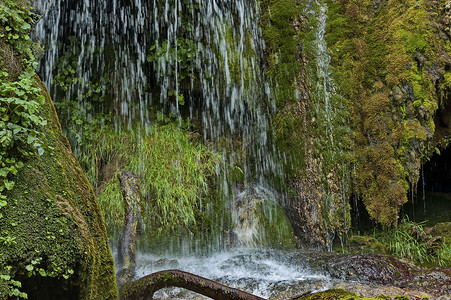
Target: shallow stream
[{"x": 266, "y": 273}]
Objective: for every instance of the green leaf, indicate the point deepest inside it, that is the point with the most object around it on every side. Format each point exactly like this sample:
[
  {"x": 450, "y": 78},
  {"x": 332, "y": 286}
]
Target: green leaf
[
  {"x": 8, "y": 184},
  {"x": 5, "y": 277},
  {"x": 40, "y": 151},
  {"x": 31, "y": 139},
  {"x": 42, "y": 272},
  {"x": 29, "y": 268},
  {"x": 25, "y": 26},
  {"x": 19, "y": 92},
  {"x": 4, "y": 172}
]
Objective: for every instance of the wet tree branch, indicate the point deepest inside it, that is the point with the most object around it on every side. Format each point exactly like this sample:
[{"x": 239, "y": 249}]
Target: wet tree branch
[{"x": 144, "y": 288}]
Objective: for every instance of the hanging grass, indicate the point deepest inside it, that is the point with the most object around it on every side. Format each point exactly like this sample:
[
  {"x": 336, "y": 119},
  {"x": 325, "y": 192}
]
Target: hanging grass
[{"x": 175, "y": 173}]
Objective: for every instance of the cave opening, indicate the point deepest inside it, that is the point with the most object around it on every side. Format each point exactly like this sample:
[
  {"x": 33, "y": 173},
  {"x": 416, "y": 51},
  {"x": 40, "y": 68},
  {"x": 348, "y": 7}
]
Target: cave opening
[{"x": 432, "y": 201}]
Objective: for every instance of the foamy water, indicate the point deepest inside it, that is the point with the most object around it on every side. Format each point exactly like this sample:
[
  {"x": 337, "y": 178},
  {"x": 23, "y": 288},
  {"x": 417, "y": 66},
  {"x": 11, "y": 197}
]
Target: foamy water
[{"x": 266, "y": 273}]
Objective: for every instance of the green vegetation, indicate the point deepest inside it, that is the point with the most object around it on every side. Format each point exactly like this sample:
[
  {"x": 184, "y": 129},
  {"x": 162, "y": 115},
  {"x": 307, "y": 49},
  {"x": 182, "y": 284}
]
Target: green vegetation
[
  {"x": 183, "y": 55},
  {"x": 338, "y": 294},
  {"x": 383, "y": 58},
  {"x": 20, "y": 98},
  {"x": 55, "y": 223},
  {"x": 174, "y": 171},
  {"x": 408, "y": 240},
  {"x": 282, "y": 43},
  {"x": 312, "y": 122},
  {"x": 20, "y": 123},
  {"x": 50, "y": 224}
]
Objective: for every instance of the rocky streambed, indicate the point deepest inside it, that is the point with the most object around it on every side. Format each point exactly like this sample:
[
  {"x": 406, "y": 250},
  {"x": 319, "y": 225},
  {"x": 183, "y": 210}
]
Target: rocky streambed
[{"x": 276, "y": 274}]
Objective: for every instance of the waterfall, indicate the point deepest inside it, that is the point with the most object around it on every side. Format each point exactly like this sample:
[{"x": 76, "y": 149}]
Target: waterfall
[
  {"x": 332, "y": 125},
  {"x": 325, "y": 85},
  {"x": 197, "y": 59}
]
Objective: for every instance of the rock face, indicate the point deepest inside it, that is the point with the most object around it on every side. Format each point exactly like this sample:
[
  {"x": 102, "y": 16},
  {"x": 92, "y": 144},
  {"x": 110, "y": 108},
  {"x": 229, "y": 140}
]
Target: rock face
[
  {"x": 380, "y": 270},
  {"x": 59, "y": 248},
  {"x": 447, "y": 18}
]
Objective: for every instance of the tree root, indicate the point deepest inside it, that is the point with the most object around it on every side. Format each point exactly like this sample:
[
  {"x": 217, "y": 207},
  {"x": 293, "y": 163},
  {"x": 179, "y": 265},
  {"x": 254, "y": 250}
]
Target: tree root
[{"x": 145, "y": 287}]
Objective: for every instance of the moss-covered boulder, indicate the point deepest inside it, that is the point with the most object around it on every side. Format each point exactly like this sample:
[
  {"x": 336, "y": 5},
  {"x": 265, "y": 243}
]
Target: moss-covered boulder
[
  {"x": 366, "y": 244},
  {"x": 330, "y": 294},
  {"x": 58, "y": 246},
  {"x": 53, "y": 242}
]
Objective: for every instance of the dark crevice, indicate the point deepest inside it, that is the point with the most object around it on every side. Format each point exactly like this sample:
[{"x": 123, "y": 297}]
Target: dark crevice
[
  {"x": 432, "y": 200},
  {"x": 437, "y": 173}
]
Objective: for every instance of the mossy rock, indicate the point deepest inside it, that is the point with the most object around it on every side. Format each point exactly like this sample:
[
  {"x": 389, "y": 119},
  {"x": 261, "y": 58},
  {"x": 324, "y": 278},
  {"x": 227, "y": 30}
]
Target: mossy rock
[
  {"x": 335, "y": 294},
  {"x": 367, "y": 244},
  {"x": 59, "y": 248},
  {"x": 441, "y": 229}
]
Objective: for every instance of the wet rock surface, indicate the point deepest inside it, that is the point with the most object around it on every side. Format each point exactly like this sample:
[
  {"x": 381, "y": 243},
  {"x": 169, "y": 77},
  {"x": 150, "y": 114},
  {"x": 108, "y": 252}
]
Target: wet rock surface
[
  {"x": 381, "y": 270},
  {"x": 304, "y": 272}
]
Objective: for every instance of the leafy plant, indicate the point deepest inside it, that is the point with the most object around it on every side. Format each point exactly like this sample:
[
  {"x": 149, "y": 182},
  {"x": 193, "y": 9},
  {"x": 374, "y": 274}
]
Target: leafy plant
[
  {"x": 410, "y": 241},
  {"x": 20, "y": 99},
  {"x": 20, "y": 104},
  {"x": 174, "y": 172},
  {"x": 404, "y": 245},
  {"x": 179, "y": 61},
  {"x": 444, "y": 254},
  {"x": 13, "y": 286}
]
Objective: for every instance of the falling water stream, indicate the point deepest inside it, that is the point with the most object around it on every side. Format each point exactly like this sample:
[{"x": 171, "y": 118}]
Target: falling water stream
[{"x": 197, "y": 59}]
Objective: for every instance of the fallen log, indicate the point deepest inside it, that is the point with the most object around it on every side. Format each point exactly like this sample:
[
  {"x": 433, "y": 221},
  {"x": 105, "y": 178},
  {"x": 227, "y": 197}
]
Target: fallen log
[{"x": 145, "y": 287}]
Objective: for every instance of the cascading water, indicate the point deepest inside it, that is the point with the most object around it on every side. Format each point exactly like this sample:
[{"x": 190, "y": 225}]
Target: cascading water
[
  {"x": 332, "y": 125},
  {"x": 225, "y": 90},
  {"x": 197, "y": 59},
  {"x": 325, "y": 85},
  {"x": 189, "y": 59},
  {"x": 92, "y": 33},
  {"x": 265, "y": 273}
]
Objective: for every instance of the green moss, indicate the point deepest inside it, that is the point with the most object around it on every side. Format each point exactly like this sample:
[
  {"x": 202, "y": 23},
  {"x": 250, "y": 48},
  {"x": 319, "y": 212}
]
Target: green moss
[
  {"x": 337, "y": 294},
  {"x": 382, "y": 59},
  {"x": 280, "y": 236},
  {"x": 366, "y": 244},
  {"x": 281, "y": 42},
  {"x": 55, "y": 221},
  {"x": 52, "y": 237}
]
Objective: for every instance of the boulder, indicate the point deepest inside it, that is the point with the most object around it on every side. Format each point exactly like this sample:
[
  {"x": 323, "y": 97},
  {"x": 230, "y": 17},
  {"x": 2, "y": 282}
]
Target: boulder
[{"x": 53, "y": 237}]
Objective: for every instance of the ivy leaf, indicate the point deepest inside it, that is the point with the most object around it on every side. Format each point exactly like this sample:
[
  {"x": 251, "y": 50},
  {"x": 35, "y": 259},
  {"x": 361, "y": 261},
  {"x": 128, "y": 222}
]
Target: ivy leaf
[
  {"x": 25, "y": 26},
  {"x": 19, "y": 92},
  {"x": 4, "y": 172},
  {"x": 8, "y": 184},
  {"x": 40, "y": 151},
  {"x": 29, "y": 268},
  {"x": 3, "y": 203},
  {"x": 31, "y": 139}
]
